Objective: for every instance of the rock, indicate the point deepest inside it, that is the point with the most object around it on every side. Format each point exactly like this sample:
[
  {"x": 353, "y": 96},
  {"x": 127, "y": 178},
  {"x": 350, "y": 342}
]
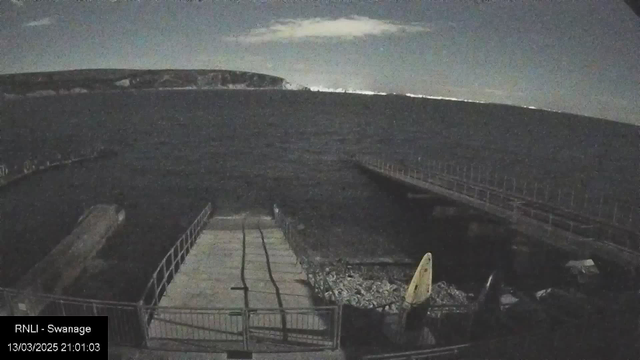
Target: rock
[
  {"x": 585, "y": 266},
  {"x": 382, "y": 289},
  {"x": 508, "y": 300},
  {"x": 291, "y": 86},
  {"x": 41, "y": 93},
  {"x": 12, "y": 96},
  {"x": 123, "y": 83}
]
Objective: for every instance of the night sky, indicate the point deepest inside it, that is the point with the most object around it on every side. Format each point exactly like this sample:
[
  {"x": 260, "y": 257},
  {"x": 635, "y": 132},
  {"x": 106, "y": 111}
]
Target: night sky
[{"x": 575, "y": 56}]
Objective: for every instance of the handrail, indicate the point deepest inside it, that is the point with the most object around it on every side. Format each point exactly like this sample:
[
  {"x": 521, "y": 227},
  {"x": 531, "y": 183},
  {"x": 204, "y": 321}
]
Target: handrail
[
  {"x": 620, "y": 214},
  {"x": 68, "y": 299},
  {"x": 318, "y": 279},
  {"x": 493, "y": 196},
  {"x": 182, "y": 246}
]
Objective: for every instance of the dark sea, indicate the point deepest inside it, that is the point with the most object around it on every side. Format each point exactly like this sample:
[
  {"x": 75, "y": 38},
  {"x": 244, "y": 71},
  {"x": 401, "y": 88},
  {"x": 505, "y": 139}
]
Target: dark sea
[{"x": 246, "y": 150}]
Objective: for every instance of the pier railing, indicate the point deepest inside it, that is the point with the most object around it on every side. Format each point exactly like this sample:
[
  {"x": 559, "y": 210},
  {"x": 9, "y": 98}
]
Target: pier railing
[
  {"x": 125, "y": 319},
  {"x": 172, "y": 261},
  {"x": 315, "y": 274},
  {"x": 10, "y": 174},
  {"x": 128, "y": 322},
  {"x": 611, "y": 224}
]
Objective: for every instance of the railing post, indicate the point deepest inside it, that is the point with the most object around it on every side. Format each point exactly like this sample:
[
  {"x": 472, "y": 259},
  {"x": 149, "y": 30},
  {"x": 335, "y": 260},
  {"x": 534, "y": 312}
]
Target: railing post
[
  {"x": 173, "y": 265},
  {"x": 143, "y": 324},
  {"x": 164, "y": 267},
  {"x": 245, "y": 329},
  {"x": 155, "y": 288},
  {"x": 559, "y": 196},
  {"x": 7, "y": 299},
  {"x": 573, "y": 193},
  {"x": 586, "y": 199},
  {"x": 600, "y": 208},
  {"x": 546, "y": 194}
]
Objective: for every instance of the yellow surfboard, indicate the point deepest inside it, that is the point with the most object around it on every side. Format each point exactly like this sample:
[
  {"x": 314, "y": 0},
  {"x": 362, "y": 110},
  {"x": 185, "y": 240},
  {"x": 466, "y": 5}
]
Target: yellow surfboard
[{"x": 420, "y": 287}]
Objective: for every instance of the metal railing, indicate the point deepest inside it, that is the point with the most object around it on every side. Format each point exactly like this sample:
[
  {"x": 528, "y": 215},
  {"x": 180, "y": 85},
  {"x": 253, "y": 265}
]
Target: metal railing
[
  {"x": 244, "y": 329},
  {"x": 315, "y": 274},
  {"x": 515, "y": 201},
  {"x": 579, "y": 201},
  {"x": 126, "y": 323},
  {"x": 10, "y": 173},
  {"x": 170, "y": 264},
  {"x": 219, "y": 329},
  {"x": 145, "y": 324}
]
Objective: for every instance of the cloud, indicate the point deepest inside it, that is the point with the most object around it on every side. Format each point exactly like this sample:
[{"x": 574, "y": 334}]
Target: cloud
[
  {"x": 42, "y": 22},
  {"x": 349, "y": 28},
  {"x": 17, "y": 2}
]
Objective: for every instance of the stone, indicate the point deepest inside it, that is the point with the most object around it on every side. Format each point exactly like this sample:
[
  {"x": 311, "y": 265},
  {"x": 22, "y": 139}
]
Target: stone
[{"x": 123, "y": 83}]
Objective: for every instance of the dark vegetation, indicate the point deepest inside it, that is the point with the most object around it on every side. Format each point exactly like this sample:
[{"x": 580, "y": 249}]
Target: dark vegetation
[{"x": 119, "y": 79}]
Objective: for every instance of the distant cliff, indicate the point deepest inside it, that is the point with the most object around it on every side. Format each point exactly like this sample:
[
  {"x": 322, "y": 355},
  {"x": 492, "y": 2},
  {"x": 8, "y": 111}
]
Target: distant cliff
[{"x": 98, "y": 80}]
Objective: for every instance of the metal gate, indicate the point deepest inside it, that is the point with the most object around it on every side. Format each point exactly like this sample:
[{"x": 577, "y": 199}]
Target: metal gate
[{"x": 258, "y": 330}]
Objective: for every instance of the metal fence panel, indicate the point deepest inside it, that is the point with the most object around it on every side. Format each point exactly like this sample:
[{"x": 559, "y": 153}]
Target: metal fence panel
[
  {"x": 306, "y": 329},
  {"x": 125, "y": 327},
  {"x": 170, "y": 264},
  {"x": 262, "y": 330},
  {"x": 556, "y": 208}
]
